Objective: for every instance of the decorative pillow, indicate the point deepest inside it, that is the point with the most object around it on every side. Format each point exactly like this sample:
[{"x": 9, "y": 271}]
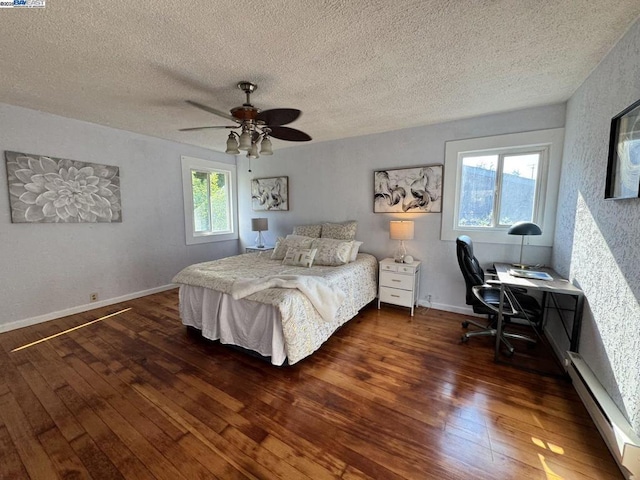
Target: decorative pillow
[
  {"x": 332, "y": 252},
  {"x": 340, "y": 231},
  {"x": 299, "y": 257},
  {"x": 354, "y": 251},
  {"x": 308, "y": 230},
  {"x": 293, "y": 241}
]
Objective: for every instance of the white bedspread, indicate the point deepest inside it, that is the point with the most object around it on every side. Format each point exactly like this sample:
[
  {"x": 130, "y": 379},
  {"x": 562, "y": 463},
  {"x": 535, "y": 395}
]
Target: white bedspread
[
  {"x": 304, "y": 328},
  {"x": 323, "y": 297}
]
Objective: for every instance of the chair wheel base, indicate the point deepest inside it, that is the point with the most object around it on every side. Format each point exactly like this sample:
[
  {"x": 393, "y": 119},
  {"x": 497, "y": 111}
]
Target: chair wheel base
[
  {"x": 465, "y": 324},
  {"x": 464, "y": 339}
]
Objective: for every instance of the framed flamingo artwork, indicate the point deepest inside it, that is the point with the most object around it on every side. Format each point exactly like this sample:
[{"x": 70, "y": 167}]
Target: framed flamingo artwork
[{"x": 408, "y": 190}]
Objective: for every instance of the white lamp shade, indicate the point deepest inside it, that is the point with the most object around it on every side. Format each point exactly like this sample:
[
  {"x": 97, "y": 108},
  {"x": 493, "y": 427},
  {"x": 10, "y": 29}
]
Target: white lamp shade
[
  {"x": 259, "y": 224},
  {"x": 401, "y": 230}
]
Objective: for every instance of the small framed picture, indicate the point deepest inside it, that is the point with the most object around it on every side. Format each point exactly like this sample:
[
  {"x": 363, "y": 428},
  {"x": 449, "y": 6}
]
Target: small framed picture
[
  {"x": 623, "y": 168},
  {"x": 270, "y": 194}
]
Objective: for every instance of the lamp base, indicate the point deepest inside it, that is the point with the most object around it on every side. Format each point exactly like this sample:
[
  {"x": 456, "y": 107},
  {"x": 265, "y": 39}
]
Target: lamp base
[
  {"x": 522, "y": 266},
  {"x": 400, "y": 253}
]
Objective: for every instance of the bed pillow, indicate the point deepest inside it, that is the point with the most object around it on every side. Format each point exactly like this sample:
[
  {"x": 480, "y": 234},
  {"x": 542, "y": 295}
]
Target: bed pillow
[
  {"x": 299, "y": 257},
  {"x": 354, "y": 251},
  {"x": 332, "y": 252},
  {"x": 292, "y": 241},
  {"x": 340, "y": 231},
  {"x": 308, "y": 230}
]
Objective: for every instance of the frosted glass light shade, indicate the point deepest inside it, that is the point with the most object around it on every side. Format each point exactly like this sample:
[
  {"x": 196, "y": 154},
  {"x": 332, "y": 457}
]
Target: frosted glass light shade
[
  {"x": 232, "y": 145},
  {"x": 266, "y": 147},
  {"x": 245, "y": 140},
  {"x": 253, "y": 151}
]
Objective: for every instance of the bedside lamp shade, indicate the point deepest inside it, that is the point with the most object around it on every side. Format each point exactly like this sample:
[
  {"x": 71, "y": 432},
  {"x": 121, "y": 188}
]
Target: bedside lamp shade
[
  {"x": 400, "y": 230},
  {"x": 259, "y": 225},
  {"x": 522, "y": 229}
]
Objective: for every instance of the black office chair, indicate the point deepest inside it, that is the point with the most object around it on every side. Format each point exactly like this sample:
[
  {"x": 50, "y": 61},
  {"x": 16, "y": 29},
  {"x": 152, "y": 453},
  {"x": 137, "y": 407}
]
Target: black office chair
[{"x": 485, "y": 299}]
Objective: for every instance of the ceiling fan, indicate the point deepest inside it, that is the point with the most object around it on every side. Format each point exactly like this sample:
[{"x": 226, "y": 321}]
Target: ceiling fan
[{"x": 256, "y": 126}]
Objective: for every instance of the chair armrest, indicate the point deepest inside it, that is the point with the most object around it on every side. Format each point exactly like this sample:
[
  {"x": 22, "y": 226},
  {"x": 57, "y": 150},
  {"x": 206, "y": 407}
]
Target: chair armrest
[{"x": 508, "y": 306}]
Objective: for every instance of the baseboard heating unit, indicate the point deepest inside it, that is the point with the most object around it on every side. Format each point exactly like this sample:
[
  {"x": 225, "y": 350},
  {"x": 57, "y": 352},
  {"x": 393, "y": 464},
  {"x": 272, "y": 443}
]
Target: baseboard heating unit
[{"x": 623, "y": 442}]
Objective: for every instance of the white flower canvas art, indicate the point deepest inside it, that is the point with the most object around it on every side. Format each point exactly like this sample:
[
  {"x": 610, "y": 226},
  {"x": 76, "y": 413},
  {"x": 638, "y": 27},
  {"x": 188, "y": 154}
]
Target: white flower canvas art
[{"x": 45, "y": 189}]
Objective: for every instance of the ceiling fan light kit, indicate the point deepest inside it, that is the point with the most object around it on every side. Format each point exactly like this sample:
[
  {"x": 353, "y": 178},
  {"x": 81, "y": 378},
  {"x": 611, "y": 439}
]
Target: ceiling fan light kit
[{"x": 257, "y": 126}]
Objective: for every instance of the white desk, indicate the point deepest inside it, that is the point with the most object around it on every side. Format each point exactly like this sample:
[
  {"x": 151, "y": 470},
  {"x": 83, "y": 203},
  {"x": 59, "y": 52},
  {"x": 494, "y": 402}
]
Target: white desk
[{"x": 549, "y": 289}]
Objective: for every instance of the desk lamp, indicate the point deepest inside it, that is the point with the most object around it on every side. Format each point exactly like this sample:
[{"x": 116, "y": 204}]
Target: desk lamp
[
  {"x": 522, "y": 229},
  {"x": 259, "y": 225},
  {"x": 400, "y": 230}
]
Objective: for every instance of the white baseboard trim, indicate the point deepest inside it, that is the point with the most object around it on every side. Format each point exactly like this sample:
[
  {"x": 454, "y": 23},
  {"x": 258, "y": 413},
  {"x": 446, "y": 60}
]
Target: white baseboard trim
[
  {"x": 448, "y": 308},
  {"x": 82, "y": 308}
]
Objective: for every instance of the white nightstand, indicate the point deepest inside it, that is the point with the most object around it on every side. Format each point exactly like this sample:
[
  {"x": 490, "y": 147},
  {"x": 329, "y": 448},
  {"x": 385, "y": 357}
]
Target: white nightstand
[
  {"x": 399, "y": 283},
  {"x": 266, "y": 248}
]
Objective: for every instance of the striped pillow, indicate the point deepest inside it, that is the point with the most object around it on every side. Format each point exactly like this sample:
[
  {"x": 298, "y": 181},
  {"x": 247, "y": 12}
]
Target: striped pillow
[{"x": 299, "y": 257}]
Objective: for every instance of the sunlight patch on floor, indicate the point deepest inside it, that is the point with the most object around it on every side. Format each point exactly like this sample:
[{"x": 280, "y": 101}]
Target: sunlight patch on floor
[
  {"x": 69, "y": 330},
  {"x": 551, "y": 475}
]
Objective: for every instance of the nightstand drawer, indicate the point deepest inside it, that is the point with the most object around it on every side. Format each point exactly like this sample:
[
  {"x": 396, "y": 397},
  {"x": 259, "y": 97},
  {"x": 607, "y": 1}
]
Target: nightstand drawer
[
  {"x": 389, "y": 267},
  {"x": 396, "y": 280},
  {"x": 406, "y": 268},
  {"x": 397, "y": 297}
]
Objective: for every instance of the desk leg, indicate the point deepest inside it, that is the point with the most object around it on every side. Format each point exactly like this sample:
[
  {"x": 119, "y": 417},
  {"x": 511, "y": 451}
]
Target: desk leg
[
  {"x": 499, "y": 324},
  {"x": 577, "y": 324}
]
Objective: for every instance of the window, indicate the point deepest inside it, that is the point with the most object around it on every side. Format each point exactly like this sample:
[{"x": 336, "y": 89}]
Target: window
[
  {"x": 493, "y": 182},
  {"x": 499, "y": 189},
  {"x": 209, "y": 200}
]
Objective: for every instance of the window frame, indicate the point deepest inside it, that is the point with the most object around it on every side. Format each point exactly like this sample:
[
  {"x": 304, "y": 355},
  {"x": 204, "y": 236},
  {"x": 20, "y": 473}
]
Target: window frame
[
  {"x": 548, "y": 142},
  {"x": 190, "y": 164},
  {"x": 538, "y": 206}
]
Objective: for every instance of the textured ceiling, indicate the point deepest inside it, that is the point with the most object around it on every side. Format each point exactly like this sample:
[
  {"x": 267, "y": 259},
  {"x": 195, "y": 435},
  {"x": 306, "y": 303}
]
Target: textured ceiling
[{"x": 353, "y": 67}]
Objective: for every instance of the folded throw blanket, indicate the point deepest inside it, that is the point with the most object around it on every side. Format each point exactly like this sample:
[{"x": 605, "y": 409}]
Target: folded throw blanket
[{"x": 323, "y": 297}]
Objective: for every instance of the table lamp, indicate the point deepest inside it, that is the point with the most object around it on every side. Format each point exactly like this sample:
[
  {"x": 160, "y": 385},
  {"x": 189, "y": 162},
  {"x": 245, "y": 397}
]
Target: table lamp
[
  {"x": 259, "y": 225},
  {"x": 400, "y": 230},
  {"x": 522, "y": 229}
]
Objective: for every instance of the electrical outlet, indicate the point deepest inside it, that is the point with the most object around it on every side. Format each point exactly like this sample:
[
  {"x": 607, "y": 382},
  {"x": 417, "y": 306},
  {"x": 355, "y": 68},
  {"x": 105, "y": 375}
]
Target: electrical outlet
[
  {"x": 429, "y": 298},
  {"x": 93, "y": 297}
]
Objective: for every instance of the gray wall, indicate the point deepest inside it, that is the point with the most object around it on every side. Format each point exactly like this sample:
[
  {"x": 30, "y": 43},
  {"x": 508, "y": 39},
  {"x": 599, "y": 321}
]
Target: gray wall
[
  {"x": 333, "y": 181},
  {"x": 597, "y": 241},
  {"x": 49, "y": 268}
]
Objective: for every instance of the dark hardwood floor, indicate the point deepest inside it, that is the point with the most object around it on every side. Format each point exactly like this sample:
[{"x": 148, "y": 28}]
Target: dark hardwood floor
[{"x": 387, "y": 397}]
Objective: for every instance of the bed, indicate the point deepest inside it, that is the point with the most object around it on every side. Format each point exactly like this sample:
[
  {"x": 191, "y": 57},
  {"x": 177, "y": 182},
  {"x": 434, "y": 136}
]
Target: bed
[{"x": 227, "y": 300}]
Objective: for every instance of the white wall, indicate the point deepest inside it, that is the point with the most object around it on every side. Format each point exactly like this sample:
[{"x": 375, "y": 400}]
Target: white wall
[
  {"x": 333, "y": 181},
  {"x": 49, "y": 268},
  {"x": 597, "y": 241}
]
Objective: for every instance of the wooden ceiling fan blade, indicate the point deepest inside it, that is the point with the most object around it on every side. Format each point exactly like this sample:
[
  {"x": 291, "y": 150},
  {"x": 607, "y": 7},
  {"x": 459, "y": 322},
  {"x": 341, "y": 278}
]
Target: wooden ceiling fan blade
[
  {"x": 205, "y": 128},
  {"x": 289, "y": 134},
  {"x": 278, "y": 116},
  {"x": 206, "y": 108}
]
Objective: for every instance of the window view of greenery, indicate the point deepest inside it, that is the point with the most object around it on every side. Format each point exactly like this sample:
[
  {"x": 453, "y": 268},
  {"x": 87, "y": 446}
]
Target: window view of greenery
[
  {"x": 479, "y": 187},
  {"x": 210, "y": 202}
]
